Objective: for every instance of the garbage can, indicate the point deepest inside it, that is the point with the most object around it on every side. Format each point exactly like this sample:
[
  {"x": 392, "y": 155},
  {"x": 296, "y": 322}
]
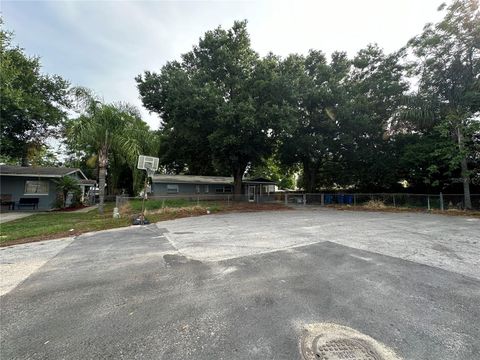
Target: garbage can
[
  {"x": 328, "y": 199},
  {"x": 340, "y": 199},
  {"x": 349, "y": 199}
]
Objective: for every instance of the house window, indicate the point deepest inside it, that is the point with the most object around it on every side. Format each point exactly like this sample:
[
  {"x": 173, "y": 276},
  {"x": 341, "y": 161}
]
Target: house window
[
  {"x": 39, "y": 187},
  {"x": 224, "y": 189},
  {"x": 172, "y": 188},
  {"x": 206, "y": 188}
]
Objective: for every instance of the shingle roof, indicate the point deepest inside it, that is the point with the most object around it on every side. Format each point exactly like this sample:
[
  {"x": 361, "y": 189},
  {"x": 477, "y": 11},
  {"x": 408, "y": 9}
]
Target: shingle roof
[
  {"x": 11, "y": 170},
  {"x": 259, "y": 180},
  {"x": 192, "y": 179},
  {"x": 197, "y": 179}
]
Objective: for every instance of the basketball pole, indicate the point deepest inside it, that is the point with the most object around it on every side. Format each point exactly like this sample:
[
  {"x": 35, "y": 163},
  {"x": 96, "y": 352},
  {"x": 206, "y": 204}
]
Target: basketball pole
[
  {"x": 144, "y": 194},
  {"x": 150, "y": 165}
]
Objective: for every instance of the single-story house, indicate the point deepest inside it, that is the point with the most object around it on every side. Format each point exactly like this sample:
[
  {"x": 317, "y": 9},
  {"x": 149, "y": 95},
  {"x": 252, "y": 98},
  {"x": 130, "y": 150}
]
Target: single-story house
[
  {"x": 208, "y": 185},
  {"x": 34, "y": 187}
]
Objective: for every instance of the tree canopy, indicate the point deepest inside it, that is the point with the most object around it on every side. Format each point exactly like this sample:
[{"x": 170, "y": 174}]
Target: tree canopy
[
  {"x": 374, "y": 121},
  {"x": 220, "y": 106},
  {"x": 32, "y": 105}
]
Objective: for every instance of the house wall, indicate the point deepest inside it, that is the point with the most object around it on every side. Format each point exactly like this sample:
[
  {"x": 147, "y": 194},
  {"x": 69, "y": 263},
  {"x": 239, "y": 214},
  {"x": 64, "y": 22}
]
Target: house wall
[
  {"x": 15, "y": 186},
  {"x": 184, "y": 188}
]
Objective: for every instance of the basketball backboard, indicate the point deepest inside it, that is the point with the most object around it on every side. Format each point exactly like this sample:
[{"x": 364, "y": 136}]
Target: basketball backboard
[{"x": 147, "y": 163}]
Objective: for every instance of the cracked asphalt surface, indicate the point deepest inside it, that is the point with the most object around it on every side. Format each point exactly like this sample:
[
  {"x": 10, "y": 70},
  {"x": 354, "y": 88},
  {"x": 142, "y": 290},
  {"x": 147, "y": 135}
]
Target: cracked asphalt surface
[{"x": 243, "y": 286}]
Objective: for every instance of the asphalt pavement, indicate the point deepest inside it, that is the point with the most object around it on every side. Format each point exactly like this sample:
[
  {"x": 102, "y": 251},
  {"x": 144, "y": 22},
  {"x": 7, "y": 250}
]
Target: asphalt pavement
[{"x": 245, "y": 286}]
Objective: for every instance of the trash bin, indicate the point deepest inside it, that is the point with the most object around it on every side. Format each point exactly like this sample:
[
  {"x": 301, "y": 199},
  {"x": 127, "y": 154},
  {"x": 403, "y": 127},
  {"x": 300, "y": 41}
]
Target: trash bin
[
  {"x": 340, "y": 199},
  {"x": 328, "y": 199},
  {"x": 349, "y": 199}
]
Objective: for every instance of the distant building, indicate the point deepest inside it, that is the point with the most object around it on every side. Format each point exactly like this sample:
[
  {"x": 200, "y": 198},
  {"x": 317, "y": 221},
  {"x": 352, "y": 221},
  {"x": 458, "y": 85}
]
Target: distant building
[{"x": 207, "y": 185}]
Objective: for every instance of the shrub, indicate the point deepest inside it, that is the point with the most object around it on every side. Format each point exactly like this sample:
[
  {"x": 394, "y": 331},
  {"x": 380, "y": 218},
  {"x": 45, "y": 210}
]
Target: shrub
[{"x": 375, "y": 204}]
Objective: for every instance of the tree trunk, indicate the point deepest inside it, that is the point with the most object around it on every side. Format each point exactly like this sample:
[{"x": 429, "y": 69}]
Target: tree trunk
[
  {"x": 102, "y": 171},
  {"x": 237, "y": 181},
  {"x": 464, "y": 170},
  {"x": 24, "y": 160},
  {"x": 309, "y": 176}
]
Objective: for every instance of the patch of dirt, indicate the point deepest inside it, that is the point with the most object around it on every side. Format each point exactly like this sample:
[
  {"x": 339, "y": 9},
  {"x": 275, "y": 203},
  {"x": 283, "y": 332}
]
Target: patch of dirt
[
  {"x": 470, "y": 213},
  {"x": 252, "y": 207}
]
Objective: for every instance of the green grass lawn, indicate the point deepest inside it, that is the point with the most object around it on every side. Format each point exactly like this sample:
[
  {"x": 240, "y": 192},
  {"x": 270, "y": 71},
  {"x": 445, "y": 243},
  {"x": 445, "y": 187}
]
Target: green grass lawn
[
  {"x": 44, "y": 225},
  {"x": 60, "y": 224}
]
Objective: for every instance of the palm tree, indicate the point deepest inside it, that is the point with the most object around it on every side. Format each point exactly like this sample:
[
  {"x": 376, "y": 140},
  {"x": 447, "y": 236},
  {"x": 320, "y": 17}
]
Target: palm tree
[
  {"x": 103, "y": 128},
  {"x": 67, "y": 184}
]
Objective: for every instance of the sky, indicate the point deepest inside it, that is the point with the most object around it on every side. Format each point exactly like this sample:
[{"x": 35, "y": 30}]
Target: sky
[{"x": 103, "y": 45}]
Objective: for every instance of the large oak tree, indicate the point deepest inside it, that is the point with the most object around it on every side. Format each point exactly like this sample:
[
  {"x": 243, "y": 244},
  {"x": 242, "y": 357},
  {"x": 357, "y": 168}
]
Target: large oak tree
[{"x": 221, "y": 106}]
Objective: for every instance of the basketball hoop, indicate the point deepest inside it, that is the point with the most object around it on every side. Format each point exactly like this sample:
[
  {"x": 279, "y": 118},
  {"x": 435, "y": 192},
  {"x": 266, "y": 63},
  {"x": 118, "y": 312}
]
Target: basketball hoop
[
  {"x": 150, "y": 172},
  {"x": 147, "y": 162},
  {"x": 150, "y": 165}
]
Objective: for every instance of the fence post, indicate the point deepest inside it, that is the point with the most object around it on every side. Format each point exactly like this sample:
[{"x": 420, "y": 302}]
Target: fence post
[
  {"x": 441, "y": 202},
  {"x": 354, "y": 199},
  {"x": 304, "y": 199},
  {"x": 322, "y": 199},
  {"x": 428, "y": 202},
  {"x": 394, "y": 205},
  {"x": 286, "y": 198}
]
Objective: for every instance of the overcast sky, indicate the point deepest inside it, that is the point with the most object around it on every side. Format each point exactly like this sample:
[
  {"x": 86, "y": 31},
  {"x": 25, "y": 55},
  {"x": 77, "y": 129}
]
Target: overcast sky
[{"x": 104, "y": 45}]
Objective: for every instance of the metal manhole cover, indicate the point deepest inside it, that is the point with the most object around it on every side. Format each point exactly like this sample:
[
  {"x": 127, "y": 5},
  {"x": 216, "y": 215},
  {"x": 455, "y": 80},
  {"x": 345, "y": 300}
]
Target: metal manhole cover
[{"x": 335, "y": 342}]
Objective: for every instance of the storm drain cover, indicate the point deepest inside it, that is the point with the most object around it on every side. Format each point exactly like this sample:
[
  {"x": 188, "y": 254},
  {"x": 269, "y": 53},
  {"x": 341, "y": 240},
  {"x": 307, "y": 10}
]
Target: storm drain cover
[{"x": 335, "y": 342}]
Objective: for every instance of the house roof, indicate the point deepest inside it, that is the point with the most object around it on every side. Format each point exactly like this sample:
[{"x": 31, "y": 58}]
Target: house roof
[
  {"x": 259, "y": 180},
  {"x": 197, "y": 179},
  {"x": 56, "y": 172},
  {"x": 192, "y": 179}
]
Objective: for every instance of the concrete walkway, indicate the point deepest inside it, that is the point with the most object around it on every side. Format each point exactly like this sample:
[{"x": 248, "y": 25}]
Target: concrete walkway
[
  {"x": 10, "y": 216},
  {"x": 86, "y": 209},
  {"x": 14, "y": 215}
]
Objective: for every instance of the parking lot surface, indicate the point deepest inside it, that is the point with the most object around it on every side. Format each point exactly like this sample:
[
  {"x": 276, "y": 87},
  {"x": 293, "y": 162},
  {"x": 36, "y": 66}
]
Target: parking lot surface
[{"x": 246, "y": 285}]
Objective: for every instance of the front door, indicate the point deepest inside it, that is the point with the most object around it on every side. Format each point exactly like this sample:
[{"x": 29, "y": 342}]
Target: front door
[{"x": 251, "y": 193}]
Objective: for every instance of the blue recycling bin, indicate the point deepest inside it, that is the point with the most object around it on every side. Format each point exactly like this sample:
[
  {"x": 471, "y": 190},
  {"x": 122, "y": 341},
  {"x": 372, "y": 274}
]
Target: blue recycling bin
[
  {"x": 328, "y": 199},
  {"x": 340, "y": 199},
  {"x": 349, "y": 199}
]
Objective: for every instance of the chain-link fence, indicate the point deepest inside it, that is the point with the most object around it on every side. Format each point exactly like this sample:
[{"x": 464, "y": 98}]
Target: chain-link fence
[
  {"x": 443, "y": 202},
  {"x": 133, "y": 205},
  {"x": 378, "y": 200}
]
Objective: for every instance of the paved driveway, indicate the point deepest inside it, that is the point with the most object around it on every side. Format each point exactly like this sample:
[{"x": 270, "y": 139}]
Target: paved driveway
[{"x": 244, "y": 286}]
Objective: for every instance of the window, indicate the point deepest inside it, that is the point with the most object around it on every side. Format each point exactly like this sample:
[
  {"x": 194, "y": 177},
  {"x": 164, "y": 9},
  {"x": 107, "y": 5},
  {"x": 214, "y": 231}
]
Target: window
[
  {"x": 39, "y": 187},
  {"x": 224, "y": 189},
  {"x": 172, "y": 188}
]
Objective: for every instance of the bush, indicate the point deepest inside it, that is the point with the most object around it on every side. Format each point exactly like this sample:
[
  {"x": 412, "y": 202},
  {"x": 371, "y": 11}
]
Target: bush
[{"x": 375, "y": 204}]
